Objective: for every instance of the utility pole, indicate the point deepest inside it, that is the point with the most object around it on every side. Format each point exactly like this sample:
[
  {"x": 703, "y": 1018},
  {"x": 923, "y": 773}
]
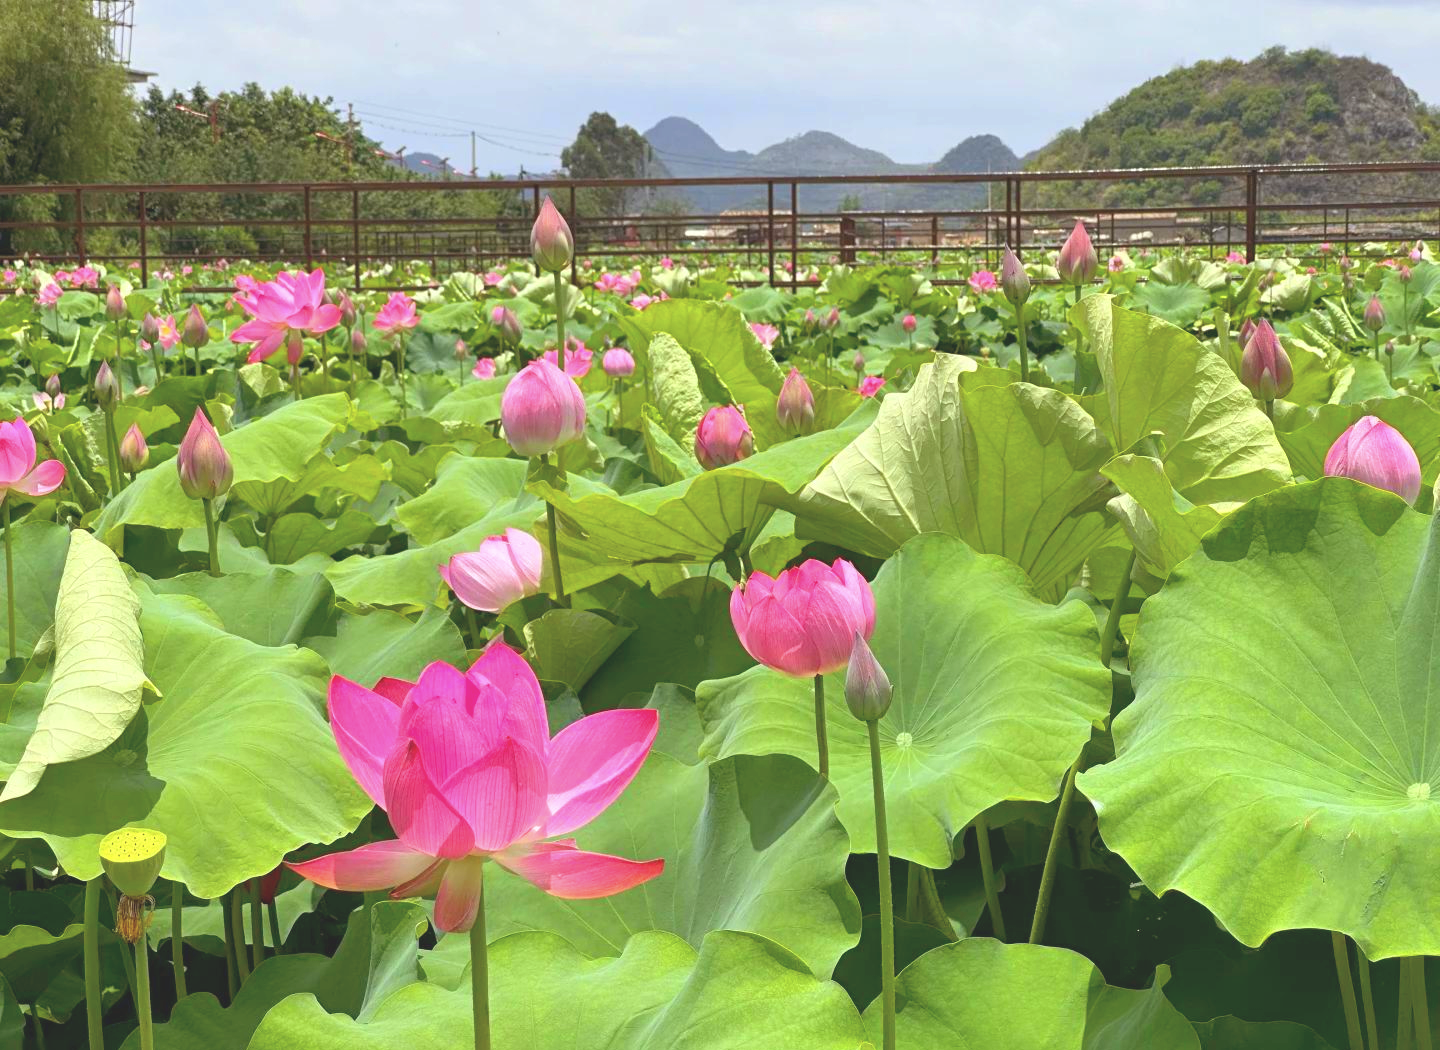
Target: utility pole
[{"x": 472, "y": 154}]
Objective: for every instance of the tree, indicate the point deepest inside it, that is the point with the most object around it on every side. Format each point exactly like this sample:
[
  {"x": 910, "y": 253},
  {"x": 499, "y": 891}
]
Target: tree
[{"x": 604, "y": 149}]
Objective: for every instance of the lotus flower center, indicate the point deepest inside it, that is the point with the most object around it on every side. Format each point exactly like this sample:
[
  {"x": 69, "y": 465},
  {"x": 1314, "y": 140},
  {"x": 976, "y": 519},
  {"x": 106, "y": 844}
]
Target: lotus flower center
[
  {"x": 1418, "y": 791},
  {"x": 903, "y": 740}
]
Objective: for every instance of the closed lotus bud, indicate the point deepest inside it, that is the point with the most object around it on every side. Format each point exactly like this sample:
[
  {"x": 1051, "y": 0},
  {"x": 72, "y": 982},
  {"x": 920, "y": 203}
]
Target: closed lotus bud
[
  {"x": 195, "y": 334},
  {"x": 541, "y": 409},
  {"x": 1405, "y": 274},
  {"x": 796, "y": 407},
  {"x": 867, "y": 687},
  {"x": 1374, "y": 314},
  {"x": 504, "y": 319},
  {"x": 618, "y": 363},
  {"x": 723, "y": 437},
  {"x": 858, "y": 362},
  {"x": 134, "y": 453},
  {"x": 908, "y": 324},
  {"x": 204, "y": 465},
  {"x": 1265, "y": 366},
  {"x": 1014, "y": 281},
  {"x": 348, "y": 313},
  {"x": 358, "y": 341},
  {"x": 1376, "y": 453},
  {"x": 550, "y": 240},
  {"x": 150, "y": 329},
  {"x": 1390, "y": 347},
  {"x": 461, "y": 351},
  {"x": 1247, "y": 330},
  {"x": 1078, "y": 261},
  {"x": 114, "y": 304},
  {"x": 832, "y": 319},
  {"x": 52, "y": 385},
  {"x": 810, "y": 320},
  {"x": 107, "y": 387}
]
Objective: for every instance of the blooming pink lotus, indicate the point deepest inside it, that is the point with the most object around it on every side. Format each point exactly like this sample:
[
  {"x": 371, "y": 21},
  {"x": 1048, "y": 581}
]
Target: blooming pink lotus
[
  {"x": 168, "y": 333},
  {"x": 1235, "y": 258},
  {"x": 578, "y": 358},
  {"x": 504, "y": 570},
  {"x": 642, "y": 300},
  {"x": 493, "y": 278},
  {"x": 870, "y": 386},
  {"x": 49, "y": 293},
  {"x": 397, "y": 315},
  {"x": 804, "y": 621},
  {"x": 1374, "y": 452},
  {"x": 983, "y": 281},
  {"x": 291, "y": 302},
  {"x": 466, "y": 769},
  {"x": 18, "y": 470},
  {"x": 766, "y": 333},
  {"x": 484, "y": 368}
]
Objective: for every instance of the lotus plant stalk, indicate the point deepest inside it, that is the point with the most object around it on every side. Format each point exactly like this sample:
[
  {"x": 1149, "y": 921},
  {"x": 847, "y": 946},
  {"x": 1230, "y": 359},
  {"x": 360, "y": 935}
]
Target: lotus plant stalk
[
  {"x": 480, "y": 975},
  {"x": 212, "y": 536},
  {"x": 1052, "y": 855},
  {"x": 822, "y": 741},
  {"x": 1112, "y": 619},
  {"x": 1420, "y": 1002},
  {"x": 560, "y": 319},
  {"x": 987, "y": 876},
  {"x": 107, "y": 393},
  {"x": 553, "y": 532},
  {"x": 9, "y": 576},
  {"x": 273, "y": 914},
  {"x": 1367, "y": 999},
  {"x": 177, "y": 937},
  {"x": 1341, "y": 949},
  {"x": 236, "y": 918},
  {"x": 115, "y": 311},
  {"x": 257, "y": 926},
  {"x": 132, "y": 858},
  {"x": 1405, "y": 1017},
  {"x": 93, "y": 1004},
  {"x": 1015, "y": 284}
]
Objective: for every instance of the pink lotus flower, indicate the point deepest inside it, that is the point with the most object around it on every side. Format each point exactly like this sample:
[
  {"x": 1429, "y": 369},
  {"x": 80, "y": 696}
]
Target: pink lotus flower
[
  {"x": 466, "y": 769},
  {"x": 1078, "y": 261},
  {"x": 48, "y": 403},
  {"x": 1116, "y": 263},
  {"x": 578, "y": 358},
  {"x": 205, "y": 468},
  {"x": 1235, "y": 258},
  {"x": 870, "y": 386},
  {"x": 723, "y": 437},
  {"x": 62, "y": 276},
  {"x": 551, "y": 244},
  {"x": 803, "y": 622},
  {"x": 18, "y": 470},
  {"x": 85, "y": 277},
  {"x": 1376, "y": 453},
  {"x": 541, "y": 409},
  {"x": 9, "y": 276},
  {"x": 667, "y": 263},
  {"x": 1326, "y": 248},
  {"x": 169, "y": 334},
  {"x": 642, "y": 300},
  {"x": 795, "y": 408},
  {"x": 908, "y": 324},
  {"x": 618, "y": 363},
  {"x": 983, "y": 281},
  {"x": 492, "y": 279},
  {"x": 291, "y": 302},
  {"x": 49, "y": 294},
  {"x": 1265, "y": 366},
  {"x": 397, "y": 315},
  {"x": 766, "y": 333},
  {"x": 484, "y": 368},
  {"x": 504, "y": 570}
]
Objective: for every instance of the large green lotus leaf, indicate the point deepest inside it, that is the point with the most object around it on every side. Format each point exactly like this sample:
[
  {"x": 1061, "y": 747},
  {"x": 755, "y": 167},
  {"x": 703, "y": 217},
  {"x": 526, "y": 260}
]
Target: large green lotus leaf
[
  {"x": 1215, "y": 441},
  {"x": 995, "y": 693},
  {"x": 276, "y": 607},
  {"x": 466, "y": 489},
  {"x": 981, "y": 993},
  {"x": 1231, "y": 1033},
  {"x": 1307, "y": 435},
  {"x": 1012, "y": 469},
  {"x": 695, "y": 519},
  {"x": 40, "y": 548},
  {"x": 1276, "y": 764},
  {"x": 378, "y": 956},
  {"x": 99, "y": 674},
  {"x": 385, "y": 644},
  {"x": 739, "y": 992},
  {"x": 361, "y": 476},
  {"x": 750, "y": 844},
  {"x": 676, "y": 385},
  {"x": 236, "y": 764},
  {"x": 280, "y": 445},
  {"x": 1180, "y": 304},
  {"x": 1162, "y": 525},
  {"x": 296, "y": 536},
  {"x": 12, "y": 1022},
  {"x": 570, "y": 645}
]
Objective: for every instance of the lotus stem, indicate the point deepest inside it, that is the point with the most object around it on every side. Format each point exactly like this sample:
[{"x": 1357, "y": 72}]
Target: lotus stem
[
  {"x": 142, "y": 986},
  {"x": 1420, "y": 1002},
  {"x": 1367, "y": 998},
  {"x": 1377, "y": 346},
  {"x": 177, "y": 938},
  {"x": 912, "y": 893},
  {"x": 112, "y": 451},
  {"x": 560, "y": 320},
  {"x": 9, "y": 573},
  {"x": 480, "y": 973},
  {"x": 1269, "y": 408},
  {"x": 1347, "y": 990},
  {"x": 1052, "y": 855},
  {"x": 274, "y": 914},
  {"x": 1405, "y": 1017},
  {"x": 987, "y": 875},
  {"x": 93, "y": 1004},
  {"x": 928, "y": 907},
  {"x": 232, "y": 979},
  {"x": 295, "y": 381},
  {"x": 554, "y": 532},
  {"x": 155, "y": 360},
  {"x": 125, "y": 958},
  {"x": 1024, "y": 346},
  {"x": 1079, "y": 336},
  {"x": 212, "y": 535},
  {"x": 1112, "y": 621},
  {"x": 237, "y": 930},
  {"x": 887, "y": 903},
  {"x": 257, "y": 926},
  {"x": 119, "y": 371},
  {"x": 400, "y": 368},
  {"x": 822, "y": 744}
]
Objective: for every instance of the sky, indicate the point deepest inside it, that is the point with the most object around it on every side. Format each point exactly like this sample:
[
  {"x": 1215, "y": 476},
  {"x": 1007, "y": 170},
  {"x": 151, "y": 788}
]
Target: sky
[{"x": 910, "y": 78}]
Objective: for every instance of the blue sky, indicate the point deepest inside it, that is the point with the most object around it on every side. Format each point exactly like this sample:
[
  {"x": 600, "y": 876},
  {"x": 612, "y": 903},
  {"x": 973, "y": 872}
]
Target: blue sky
[{"x": 907, "y": 78}]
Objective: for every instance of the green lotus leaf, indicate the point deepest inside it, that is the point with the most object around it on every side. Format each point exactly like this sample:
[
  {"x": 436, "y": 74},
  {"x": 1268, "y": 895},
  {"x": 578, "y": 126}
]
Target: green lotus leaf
[
  {"x": 383, "y": 643},
  {"x": 1180, "y": 304},
  {"x": 678, "y": 400},
  {"x": 1275, "y": 764},
  {"x": 40, "y": 548},
  {"x": 1231, "y": 1033},
  {"x": 738, "y": 993},
  {"x": 1163, "y": 526},
  {"x": 995, "y": 693},
  {"x": 276, "y": 607},
  {"x": 1010, "y": 468}
]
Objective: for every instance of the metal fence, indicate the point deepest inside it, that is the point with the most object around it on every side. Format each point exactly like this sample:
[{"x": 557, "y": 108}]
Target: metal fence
[{"x": 775, "y": 226}]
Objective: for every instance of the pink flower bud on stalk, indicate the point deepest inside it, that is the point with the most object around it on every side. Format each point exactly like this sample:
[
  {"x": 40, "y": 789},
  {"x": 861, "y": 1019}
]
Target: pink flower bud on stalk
[
  {"x": 150, "y": 329},
  {"x": 1405, "y": 274},
  {"x": 294, "y": 348},
  {"x": 508, "y": 325},
  {"x": 550, "y": 241},
  {"x": 908, "y": 324},
  {"x": 1264, "y": 366},
  {"x": 867, "y": 687},
  {"x": 358, "y": 342},
  {"x": 618, "y": 363},
  {"x": 52, "y": 386},
  {"x": 541, "y": 409},
  {"x": 204, "y": 465},
  {"x": 1014, "y": 281},
  {"x": 348, "y": 313},
  {"x": 858, "y": 363},
  {"x": 810, "y": 321},
  {"x": 1377, "y": 454},
  {"x": 832, "y": 319},
  {"x": 504, "y": 570},
  {"x": 1078, "y": 261},
  {"x": 114, "y": 304},
  {"x": 195, "y": 334},
  {"x": 134, "y": 452},
  {"x": 461, "y": 350},
  {"x": 107, "y": 387},
  {"x": 1374, "y": 314},
  {"x": 723, "y": 437},
  {"x": 795, "y": 408}
]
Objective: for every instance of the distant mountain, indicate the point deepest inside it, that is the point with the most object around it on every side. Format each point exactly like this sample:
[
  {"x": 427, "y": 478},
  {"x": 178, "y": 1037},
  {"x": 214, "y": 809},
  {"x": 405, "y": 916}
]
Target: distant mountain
[{"x": 979, "y": 153}]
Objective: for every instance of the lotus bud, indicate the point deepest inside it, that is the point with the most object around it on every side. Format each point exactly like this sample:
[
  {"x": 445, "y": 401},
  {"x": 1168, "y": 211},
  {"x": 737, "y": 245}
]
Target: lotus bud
[
  {"x": 810, "y": 321},
  {"x": 204, "y": 465},
  {"x": 1374, "y": 452},
  {"x": 1014, "y": 281},
  {"x": 1247, "y": 330},
  {"x": 1418, "y": 252},
  {"x": 504, "y": 319},
  {"x": 795, "y": 408},
  {"x": 867, "y": 687},
  {"x": 858, "y": 362},
  {"x": 908, "y": 324},
  {"x": 1405, "y": 274},
  {"x": 134, "y": 453},
  {"x": 1346, "y": 263},
  {"x": 618, "y": 363},
  {"x": 1374, "y": 314},
  {"x": 348, "y": 313},
  {"x": 832, "y": 319},
  {"x": 461, "y": 351},
  {"x": 357, "y": 341},
  {"x": 1265, "y": 366},
  {"x": 107, "y": 387},
  {"x": 1078, "y": 261},
  {"x": 723, "y": 437},
  {"x": 550, "y": 241},
  {"x": 541, "y": 409},
  {"x": 150, "y": 329},
  {"x": 114, "y": 304},
  {"x": 52, "y": 385},
  {"x": 195, "y": 334}
]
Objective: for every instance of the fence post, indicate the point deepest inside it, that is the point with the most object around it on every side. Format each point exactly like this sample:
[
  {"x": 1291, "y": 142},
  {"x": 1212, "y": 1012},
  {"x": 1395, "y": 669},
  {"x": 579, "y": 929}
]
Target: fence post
[
  {"x": 935, "y": 241},
  {"x": 535, "y": 214},
  {"x": 794, "y": 235},
  {"x": 355, "y": 236},
  {"x": 309, "y": 253},
  {"x": 1010, "y": 216},
  {"x": 770, "y": 231},
  {"x": 144, "y": 244},
  {"x": 1019, "y": 217},
  {"x": 80, "y": 226},
  {"x": 1252, "y": 212},
  {"x": 847, "y": 239}
]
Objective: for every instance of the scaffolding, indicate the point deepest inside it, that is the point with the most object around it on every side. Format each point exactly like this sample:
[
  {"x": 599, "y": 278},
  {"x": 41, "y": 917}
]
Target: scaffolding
[{"x": 118, "y": 18}]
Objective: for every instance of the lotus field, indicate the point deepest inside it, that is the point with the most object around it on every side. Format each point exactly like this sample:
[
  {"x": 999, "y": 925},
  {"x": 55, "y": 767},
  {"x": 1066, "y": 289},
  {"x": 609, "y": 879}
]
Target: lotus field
[{"x": 640, "y": 661}]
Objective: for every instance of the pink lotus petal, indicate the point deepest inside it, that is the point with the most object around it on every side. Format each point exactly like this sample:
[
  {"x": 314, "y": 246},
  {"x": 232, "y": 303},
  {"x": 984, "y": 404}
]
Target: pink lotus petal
[
  {"x": 563, "y": 871},
  {"x": 17, "y": 451},
  {"x": 446, "y": 735},
  {"x": 364, "y": 723},
  {"x": 376, "y": 866},
  {"x": 418, "y": 811},
  {"x": 591, "y": 762},
  {"x": 44, "y": 479},
  {"x": 502, "y": 795},
  {"x": 458, "y": 901},
  {"x": 506, "y": 670},
  {"x": 394, "y": 689}
]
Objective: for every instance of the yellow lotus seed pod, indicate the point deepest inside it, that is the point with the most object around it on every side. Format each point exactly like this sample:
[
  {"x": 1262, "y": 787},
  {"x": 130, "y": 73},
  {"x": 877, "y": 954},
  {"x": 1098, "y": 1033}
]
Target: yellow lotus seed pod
[{"x": 132, "y": 857}]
